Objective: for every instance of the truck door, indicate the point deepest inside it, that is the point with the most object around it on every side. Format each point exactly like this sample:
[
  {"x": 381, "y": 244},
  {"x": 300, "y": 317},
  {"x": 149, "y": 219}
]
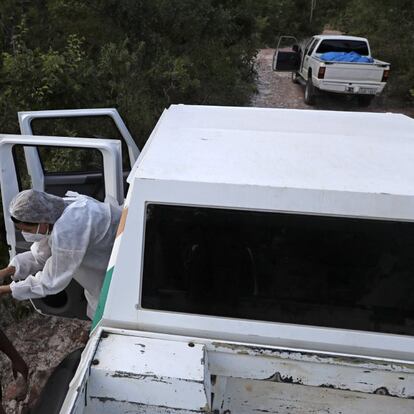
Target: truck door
[
  {"x": 306, "y": 56},
  {"x": 286, "y": 57},
  {"x": 97, "y": 158},
  {"x": 93, "y": 123}
]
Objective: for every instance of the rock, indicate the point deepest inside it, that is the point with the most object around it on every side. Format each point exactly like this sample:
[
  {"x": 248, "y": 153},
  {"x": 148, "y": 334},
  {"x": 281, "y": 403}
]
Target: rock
[
  {"x": 17, "y": 390},
  {"x": 80, "y": 335},
  {"x": 11, "y": 406},
  {"x": 37, "y": 382}
]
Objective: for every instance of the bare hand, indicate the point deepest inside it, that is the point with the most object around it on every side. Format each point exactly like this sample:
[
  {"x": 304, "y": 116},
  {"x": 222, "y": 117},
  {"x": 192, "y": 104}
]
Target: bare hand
[
  {"x": 5, "y": 289},
  {"x": 7, "y": 271}
]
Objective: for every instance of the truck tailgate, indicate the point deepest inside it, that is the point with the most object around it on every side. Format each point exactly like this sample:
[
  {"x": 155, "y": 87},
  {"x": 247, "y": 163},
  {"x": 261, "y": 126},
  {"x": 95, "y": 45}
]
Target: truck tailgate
[{"x": 353, "y": 72}]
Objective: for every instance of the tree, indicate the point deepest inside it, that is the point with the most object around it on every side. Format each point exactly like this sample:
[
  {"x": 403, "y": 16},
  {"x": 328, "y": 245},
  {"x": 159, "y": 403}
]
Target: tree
[
  {"x": 138, "y": 56},
  {"x": 390, "y": 29}
]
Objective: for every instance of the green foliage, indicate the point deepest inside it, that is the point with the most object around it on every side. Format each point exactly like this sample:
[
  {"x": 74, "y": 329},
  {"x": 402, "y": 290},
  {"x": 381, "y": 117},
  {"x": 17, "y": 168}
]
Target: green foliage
[
  {"x": 293, "y": 17},
  {"x": 389, "y": 25},
  {"x": 138, "y": 56},
  {"x": 33, "y": 79}
]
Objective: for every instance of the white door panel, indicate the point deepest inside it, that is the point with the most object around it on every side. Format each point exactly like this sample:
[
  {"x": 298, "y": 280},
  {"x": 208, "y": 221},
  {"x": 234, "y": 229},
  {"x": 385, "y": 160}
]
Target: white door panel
[
  {"x": 112, "y": 165},
  {"x": 34, "y": 165}
]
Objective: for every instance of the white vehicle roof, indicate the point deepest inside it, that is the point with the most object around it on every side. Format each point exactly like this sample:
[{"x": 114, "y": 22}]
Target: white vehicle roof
[
  {"x": 334, "y": 153},
  {"x": 338, "y": 151},
  {"x": 340, "y": 37}
]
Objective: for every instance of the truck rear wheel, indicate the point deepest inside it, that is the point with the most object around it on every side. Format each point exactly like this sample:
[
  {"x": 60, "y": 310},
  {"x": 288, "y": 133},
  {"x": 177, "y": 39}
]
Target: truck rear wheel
[
  {"x": 365, "y": 100},
  {"x": 309, "y": 92}
]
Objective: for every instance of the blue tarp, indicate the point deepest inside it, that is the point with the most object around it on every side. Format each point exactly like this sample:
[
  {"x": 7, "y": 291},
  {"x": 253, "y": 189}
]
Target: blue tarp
[{"x": 345, "y": 57}]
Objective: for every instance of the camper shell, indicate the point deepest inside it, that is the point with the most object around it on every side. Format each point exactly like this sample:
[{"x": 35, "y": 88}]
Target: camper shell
[{"x": 308, "y": 165}]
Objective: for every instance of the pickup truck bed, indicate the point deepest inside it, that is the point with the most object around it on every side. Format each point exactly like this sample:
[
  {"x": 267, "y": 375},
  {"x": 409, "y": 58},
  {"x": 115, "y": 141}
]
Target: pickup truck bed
[
  {"x": 354, "y": 71},
  {"x": 350, "y": 77},
  {"x": 141, "y": 372}
]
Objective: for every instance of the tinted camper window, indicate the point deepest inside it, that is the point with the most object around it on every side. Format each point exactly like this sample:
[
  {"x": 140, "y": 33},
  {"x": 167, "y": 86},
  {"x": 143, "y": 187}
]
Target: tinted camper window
[{"x": 299, "y": 269}]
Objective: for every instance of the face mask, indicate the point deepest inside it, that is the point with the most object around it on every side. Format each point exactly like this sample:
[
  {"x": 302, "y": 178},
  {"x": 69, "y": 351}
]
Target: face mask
[{"x": 34, "y": 237}]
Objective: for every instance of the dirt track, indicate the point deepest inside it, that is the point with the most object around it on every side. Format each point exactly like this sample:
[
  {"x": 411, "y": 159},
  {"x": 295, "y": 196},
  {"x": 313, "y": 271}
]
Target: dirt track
[{"x": 276, "y": 90}]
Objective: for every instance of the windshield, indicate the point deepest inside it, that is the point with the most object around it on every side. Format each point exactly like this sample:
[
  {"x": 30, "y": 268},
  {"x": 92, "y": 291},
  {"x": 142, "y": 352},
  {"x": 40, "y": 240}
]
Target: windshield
[{"x": 332, "y": 45}]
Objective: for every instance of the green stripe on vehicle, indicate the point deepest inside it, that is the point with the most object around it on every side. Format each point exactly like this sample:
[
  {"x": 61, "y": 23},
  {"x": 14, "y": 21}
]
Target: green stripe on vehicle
[{"x": 102, "y": 297}]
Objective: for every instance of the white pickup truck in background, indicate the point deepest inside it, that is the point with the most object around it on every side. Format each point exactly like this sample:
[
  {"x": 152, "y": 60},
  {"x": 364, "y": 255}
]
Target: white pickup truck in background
[
  {"x": 365, "y": 80},
  {"x": 262, "y": 264}
]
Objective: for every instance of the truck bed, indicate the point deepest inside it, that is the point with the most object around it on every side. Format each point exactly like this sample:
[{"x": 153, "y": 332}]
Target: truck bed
[
  {"x": 152, "y": 373},
  {"x": 354, "y": 71}
]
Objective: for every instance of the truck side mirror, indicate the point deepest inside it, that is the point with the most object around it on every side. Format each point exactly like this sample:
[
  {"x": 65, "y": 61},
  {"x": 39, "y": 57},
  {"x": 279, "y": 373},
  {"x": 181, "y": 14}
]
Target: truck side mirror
[{"x": 295, "y": 48}]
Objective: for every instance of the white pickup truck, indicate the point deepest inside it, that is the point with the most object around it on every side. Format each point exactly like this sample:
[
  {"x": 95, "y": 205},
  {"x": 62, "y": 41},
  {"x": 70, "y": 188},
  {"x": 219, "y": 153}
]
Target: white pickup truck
[
  {"x": 363, "y": 79},
  {"x": 263, "y": 264}
]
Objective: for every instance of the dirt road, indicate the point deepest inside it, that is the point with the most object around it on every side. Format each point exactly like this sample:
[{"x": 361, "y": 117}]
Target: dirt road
[{"x": 276, "y": 90}]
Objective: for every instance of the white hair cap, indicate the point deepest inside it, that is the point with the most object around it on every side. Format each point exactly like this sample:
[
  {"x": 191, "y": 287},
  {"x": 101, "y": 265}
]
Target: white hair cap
[{"x": 32, "y": 206}]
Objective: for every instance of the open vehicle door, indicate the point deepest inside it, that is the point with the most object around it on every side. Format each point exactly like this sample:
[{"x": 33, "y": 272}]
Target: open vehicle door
[
  {"x": 54, "y": 180},
  {"x": 287, "y": 55},
  {"x": 102, "y": 156}
]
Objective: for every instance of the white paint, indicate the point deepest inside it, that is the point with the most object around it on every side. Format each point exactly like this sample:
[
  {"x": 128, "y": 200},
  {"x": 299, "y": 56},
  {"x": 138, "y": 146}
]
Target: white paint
[
  {"x": 246, "y": 397},
  {"x": 318, "y": 150},
  {"x": 318, "y": 371},
  {"x": 150, "y": 372}
]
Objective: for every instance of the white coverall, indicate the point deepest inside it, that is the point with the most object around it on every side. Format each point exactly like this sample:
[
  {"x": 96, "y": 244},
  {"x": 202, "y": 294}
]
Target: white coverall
[{"x": 78, "y": 247}]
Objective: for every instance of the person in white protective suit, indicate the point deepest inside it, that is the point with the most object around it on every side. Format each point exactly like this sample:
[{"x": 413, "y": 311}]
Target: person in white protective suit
[{"x": 72, "y": 238}]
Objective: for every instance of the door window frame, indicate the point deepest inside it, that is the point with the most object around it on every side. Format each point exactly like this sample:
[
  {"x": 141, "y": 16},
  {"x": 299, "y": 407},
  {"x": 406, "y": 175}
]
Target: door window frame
[
  {"x": 112, "y": 169},
  {"x": 276, "y": 52},
  {"x": 34, "y": 164}
]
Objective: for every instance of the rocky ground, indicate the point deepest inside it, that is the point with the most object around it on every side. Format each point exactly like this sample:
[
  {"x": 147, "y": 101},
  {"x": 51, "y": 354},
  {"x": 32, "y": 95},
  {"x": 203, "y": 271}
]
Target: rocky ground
[{"x": 44, "y": 341}]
